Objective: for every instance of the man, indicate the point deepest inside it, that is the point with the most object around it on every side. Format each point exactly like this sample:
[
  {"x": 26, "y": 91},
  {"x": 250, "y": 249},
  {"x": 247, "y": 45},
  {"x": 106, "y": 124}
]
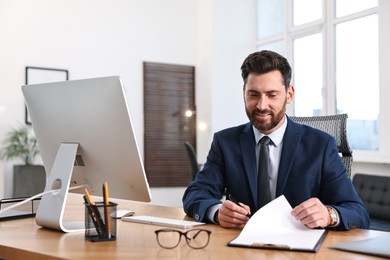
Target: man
[{"x": 304, "y": 164}]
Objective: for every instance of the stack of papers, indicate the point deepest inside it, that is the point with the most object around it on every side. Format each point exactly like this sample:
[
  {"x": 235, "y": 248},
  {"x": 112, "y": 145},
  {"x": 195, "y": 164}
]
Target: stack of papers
[{"x": 273, "y": 227}]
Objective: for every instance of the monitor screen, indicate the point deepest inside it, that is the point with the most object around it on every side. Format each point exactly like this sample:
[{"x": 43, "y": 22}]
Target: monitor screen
[{"x": 85, "y": 126}]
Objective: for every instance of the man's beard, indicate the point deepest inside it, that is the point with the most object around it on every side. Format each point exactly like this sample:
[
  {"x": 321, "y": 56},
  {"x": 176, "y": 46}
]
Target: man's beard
[{"x": 264, "y": 126}]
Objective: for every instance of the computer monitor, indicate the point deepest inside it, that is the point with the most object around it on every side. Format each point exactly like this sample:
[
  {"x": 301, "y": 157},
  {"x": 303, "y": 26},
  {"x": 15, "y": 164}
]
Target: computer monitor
[{"x": 86, "y": 137}]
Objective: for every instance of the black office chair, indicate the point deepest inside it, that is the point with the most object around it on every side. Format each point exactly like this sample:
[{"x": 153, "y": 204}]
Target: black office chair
[
  {"x": 192, "y": 155},
  {"x": 375, "y": 191},
  {"x": 336, "y": 126}
]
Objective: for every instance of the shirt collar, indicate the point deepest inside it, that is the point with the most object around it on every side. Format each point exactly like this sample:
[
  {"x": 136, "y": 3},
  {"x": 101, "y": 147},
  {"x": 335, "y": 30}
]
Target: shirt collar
[{"x": 276, "y": 136}]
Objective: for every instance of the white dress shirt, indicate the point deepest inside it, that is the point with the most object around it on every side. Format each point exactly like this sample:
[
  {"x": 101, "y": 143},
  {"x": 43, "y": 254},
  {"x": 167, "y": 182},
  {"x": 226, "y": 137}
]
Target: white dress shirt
[{"x": 275, "y": 151}]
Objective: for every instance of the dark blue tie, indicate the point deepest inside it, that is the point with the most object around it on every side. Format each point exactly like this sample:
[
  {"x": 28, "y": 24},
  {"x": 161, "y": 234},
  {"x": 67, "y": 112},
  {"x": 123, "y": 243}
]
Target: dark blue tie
[{"x": 263, "y": 189}]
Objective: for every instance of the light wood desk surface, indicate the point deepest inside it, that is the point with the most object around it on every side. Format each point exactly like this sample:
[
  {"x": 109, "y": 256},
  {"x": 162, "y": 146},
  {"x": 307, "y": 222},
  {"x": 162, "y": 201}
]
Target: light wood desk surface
[{"x": 23, "y": 239}]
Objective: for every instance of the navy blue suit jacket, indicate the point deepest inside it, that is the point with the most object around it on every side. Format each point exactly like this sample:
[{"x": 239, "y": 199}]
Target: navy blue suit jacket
[{"x": 310, "y": 166}]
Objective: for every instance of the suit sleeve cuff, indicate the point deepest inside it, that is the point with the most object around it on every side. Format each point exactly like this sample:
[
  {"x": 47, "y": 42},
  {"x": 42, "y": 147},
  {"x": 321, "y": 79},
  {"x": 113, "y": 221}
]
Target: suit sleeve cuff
[{"x": 210, "y": 213}]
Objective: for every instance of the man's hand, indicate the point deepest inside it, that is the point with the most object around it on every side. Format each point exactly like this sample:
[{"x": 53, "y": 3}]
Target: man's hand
[
  {"x": 231, "y": 215},
  {"x": 312, "y": 213}
]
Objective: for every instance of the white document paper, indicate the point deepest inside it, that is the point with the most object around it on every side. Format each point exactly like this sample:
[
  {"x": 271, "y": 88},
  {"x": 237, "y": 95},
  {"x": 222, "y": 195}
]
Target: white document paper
[{"x": 273, "y": 227}]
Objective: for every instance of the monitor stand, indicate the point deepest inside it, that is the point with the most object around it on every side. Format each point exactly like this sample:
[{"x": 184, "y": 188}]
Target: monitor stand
[{"x": 51, "y": 208}]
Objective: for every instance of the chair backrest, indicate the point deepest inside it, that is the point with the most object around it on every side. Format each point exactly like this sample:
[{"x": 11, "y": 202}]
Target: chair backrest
[
  {"x": 336, "y": 126},
  {"x": 375, "y": 193},
  {"x": 192, "y": 155}
]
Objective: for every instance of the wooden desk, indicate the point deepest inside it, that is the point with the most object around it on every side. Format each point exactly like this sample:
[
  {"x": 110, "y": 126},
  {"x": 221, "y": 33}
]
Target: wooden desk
[{"x": 23, "y": 239}]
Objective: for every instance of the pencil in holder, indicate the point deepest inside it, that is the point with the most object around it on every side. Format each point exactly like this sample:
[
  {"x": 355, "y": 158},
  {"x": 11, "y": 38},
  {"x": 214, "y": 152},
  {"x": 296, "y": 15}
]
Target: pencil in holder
[{"x": 100, "y": 222}]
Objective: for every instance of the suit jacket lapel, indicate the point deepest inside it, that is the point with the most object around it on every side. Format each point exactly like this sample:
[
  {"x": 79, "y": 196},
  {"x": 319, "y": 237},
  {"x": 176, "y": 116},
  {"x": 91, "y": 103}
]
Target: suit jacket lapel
[
  {"x": 248, "y": 153},
  {"x": 291, "y": 140}
]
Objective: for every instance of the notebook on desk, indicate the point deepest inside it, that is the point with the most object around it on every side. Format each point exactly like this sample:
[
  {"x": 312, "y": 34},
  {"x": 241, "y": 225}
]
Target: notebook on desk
[
  {"x": 378, "y": 246},
  {"x": 159, "y": 221}
]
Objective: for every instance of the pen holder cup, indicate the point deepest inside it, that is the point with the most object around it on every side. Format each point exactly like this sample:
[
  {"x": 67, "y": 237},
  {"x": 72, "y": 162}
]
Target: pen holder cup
[{"x": 100, "y": 222}]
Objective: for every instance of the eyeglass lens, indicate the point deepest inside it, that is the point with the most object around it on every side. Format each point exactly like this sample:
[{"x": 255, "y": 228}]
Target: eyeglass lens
[{"x": 195, "y": 238}]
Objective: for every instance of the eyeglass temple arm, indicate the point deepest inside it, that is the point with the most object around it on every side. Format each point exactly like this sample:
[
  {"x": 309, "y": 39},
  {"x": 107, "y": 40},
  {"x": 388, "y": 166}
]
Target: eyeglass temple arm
[{"x": 197, "y": 233}]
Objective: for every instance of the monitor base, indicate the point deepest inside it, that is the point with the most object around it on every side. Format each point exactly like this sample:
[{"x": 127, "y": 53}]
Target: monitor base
[{"x": 51, "y": 208}]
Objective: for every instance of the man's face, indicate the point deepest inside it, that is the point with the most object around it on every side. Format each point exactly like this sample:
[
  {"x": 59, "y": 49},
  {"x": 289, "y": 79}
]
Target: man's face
[{"x": 265, "y": 98}]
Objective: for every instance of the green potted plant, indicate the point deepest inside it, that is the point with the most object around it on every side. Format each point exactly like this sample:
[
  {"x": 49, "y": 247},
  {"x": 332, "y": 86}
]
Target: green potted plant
[{"x": 29, "y": 179}]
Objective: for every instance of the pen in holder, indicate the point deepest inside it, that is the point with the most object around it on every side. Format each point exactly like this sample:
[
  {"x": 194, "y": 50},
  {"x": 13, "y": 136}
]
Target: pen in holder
[{"x": 100, "y": 221}]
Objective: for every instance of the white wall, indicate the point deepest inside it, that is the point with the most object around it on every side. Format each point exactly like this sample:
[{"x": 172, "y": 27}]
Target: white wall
[
  {"x": 227, "y": 36},
  {"x": 94, "y": 38}
]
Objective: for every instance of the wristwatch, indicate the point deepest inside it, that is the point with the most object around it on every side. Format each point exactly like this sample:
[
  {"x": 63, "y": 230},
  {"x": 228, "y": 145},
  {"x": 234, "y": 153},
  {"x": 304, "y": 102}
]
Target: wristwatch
[{"x": 333, "y": 216}]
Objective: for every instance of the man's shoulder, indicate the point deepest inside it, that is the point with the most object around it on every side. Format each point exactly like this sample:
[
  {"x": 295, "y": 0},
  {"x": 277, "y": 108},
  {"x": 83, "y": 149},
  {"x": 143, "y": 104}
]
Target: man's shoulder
[
  {"x": 308, "y": 132},
  {"x": 235, "y": 130}
]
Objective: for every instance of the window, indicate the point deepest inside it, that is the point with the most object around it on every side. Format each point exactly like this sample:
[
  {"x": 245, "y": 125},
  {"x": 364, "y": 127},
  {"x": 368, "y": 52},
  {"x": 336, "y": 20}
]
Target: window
[
  {"x": 335, "y": 51},
  {"x": 353, "y": 78}
]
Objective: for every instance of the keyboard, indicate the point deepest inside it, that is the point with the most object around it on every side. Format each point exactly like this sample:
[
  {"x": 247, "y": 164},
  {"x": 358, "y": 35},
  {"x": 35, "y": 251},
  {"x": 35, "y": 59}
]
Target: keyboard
[{"x": 159, "y": 221}]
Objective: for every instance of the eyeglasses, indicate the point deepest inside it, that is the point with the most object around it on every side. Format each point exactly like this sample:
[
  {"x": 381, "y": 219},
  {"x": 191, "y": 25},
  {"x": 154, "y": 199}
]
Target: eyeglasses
[{"x": 195, "y": 238}]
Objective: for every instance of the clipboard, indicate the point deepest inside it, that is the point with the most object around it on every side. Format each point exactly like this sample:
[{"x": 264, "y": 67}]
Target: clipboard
[
  {"x": 273, "y": 227},
  {"x": 281, "y": 246}
]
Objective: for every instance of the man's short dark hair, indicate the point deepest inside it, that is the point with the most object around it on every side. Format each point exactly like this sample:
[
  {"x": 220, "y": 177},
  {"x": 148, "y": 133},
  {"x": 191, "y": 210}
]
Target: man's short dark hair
[{"x": 261, "y": 62}]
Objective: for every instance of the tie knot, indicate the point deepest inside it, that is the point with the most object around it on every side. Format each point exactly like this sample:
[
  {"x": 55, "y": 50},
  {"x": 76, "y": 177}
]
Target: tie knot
[{"x": 265, "y": 140}]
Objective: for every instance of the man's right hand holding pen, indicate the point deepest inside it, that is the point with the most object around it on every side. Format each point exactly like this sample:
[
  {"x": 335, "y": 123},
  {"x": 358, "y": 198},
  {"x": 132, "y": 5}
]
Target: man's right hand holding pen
[{"x": 233, "y": 214}]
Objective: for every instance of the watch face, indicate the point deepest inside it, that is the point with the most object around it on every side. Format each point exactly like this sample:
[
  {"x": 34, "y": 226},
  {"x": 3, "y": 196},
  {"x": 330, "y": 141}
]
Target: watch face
[
  {"x": 332, "y": 216},
  {"x": 335, "y": 216}
]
